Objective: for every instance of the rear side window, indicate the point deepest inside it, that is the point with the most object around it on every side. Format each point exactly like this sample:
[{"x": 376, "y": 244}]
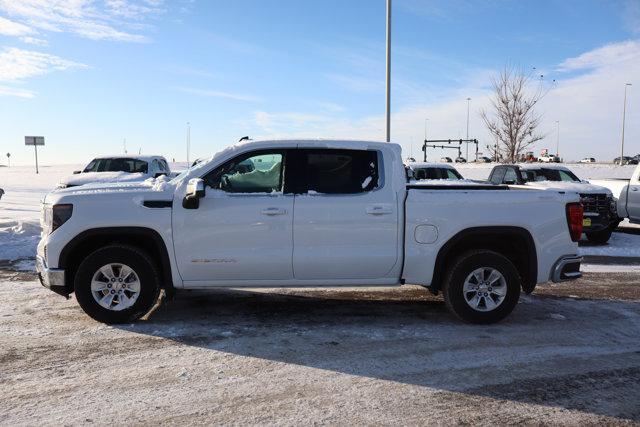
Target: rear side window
[
  {"x": 510, "y": 176},
  {"x": 339, "y": 171}
]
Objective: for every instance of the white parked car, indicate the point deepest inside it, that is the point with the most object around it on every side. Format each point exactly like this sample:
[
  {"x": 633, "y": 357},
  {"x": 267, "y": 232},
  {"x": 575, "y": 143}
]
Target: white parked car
[
  {"x": 119, "y": 168},
  {"x": 627, "y": 195},
  {"x": 305, "y": 213},
  {"x": 600, "y": 217},
  {"x": 588, "y": 160},
  {"x": 549, "y": 158}
]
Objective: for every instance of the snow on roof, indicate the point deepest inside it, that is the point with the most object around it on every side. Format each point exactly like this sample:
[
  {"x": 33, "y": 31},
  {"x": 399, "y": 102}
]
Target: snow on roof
[
  {"x": 319, "y": 143},
  {"x": 416, "y": 165},
  {"x": 530, "y": 166},
  {"x": 146, "y": 157}
]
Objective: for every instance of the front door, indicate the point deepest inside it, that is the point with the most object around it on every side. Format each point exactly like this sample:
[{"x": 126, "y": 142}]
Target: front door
[
  {"x": 242, "y": 229},
  {"x": 346, "y": 218}
]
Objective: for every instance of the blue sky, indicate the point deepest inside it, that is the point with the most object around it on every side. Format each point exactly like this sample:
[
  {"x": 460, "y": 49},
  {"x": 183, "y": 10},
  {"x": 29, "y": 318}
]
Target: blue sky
[{"x": 87, "y": 74}]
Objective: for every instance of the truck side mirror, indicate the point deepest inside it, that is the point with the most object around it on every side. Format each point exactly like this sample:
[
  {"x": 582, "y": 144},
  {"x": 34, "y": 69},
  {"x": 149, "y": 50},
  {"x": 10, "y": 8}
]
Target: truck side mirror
[
  {"x": 195, "y": 191},
  {"x": 410, "y": 174}
]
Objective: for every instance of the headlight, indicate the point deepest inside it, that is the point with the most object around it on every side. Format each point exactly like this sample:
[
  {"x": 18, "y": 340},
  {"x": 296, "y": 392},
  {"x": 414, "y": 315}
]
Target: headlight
[
  {"x": 46, "y": 219},
  {"x": 54, "y": 216},
  {"x": 60, "y": 215}
]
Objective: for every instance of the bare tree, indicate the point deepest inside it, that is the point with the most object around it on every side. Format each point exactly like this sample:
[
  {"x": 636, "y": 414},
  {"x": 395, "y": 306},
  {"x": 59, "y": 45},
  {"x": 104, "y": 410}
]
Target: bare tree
[{"x": 513, "y": 122}]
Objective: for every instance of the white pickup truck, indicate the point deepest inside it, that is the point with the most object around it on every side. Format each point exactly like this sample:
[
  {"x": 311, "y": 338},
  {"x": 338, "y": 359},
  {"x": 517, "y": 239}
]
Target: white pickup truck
[
  {"x": 304, "y": 213},
  {"x": 627, "y": 195}
]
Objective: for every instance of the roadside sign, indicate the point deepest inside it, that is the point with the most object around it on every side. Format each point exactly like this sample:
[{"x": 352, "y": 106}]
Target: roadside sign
[{"x": 35, "y": 141}]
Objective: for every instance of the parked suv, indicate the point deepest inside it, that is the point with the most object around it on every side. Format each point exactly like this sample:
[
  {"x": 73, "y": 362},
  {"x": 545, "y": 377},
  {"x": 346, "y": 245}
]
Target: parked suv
[
  {"x": 121, "y": 168},
  {"x": 600, "y": 213}
]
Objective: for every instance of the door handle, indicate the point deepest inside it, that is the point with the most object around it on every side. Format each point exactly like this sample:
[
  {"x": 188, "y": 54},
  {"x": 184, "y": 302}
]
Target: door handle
[
  {"x": 273, "y": 211},
  {"x": 378, "y": 210},
  {"x": 634, "y": 188}
]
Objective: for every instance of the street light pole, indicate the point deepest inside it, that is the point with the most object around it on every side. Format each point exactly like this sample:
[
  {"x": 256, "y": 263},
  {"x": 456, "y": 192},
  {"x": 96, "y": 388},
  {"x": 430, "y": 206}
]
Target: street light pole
[
  {"x": 468, "y": 101},
  {"x": 424, "y": 146},
  {"x": 624, "y": 113},
  {"x": 558, "y": 138},
  {"x": 388, "y": 107}
]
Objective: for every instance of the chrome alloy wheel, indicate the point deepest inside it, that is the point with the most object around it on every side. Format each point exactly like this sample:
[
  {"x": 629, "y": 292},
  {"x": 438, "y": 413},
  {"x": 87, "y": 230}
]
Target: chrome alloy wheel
[
  {"x": 484, "y": 289},
  {"x": 115, "y": 286}
]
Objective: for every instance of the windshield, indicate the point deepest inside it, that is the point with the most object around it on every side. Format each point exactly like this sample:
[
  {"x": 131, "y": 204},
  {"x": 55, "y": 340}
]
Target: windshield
[
  {"x": 534, "y": 175},
  {"x": 436, "y": 173},
  {"x": 116, "y": 164}
]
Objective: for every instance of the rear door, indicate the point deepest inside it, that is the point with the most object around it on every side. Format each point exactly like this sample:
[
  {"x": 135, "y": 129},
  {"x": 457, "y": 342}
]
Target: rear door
[{"x": 346, "y": 216}]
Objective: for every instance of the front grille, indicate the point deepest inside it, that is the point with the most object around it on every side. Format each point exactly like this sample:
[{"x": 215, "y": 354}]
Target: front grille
[{"x": 596, "y": 203}]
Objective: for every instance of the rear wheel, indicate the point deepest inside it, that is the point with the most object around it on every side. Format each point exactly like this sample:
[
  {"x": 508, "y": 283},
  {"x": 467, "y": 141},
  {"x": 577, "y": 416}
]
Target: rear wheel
[
  {"x": 482, "y": 287},
  {"x": 599, "y": 237},
  {"x": 117, "y": 284}
]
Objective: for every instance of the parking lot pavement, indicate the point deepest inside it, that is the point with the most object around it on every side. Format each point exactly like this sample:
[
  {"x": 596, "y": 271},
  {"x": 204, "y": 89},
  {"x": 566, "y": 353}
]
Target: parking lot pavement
[{"x": 570, "y": 353}]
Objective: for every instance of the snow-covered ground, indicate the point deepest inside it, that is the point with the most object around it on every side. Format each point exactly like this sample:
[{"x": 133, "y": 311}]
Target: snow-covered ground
[
  {"x": 24, "y": 189},
  {"x": 20, "y": 206}
]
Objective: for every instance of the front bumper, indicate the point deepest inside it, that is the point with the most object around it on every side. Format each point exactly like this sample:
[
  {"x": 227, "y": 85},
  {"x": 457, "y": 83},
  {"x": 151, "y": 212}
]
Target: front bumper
[
  {"x": 566, "y": 268},
  {"x": 52, "y": 278}
]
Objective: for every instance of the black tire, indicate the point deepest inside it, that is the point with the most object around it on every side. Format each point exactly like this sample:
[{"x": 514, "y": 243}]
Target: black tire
[
  {"x": 143, "y": 266},
  {"x": 457, "y": 274},
  {"x": 599, "y": 237}
]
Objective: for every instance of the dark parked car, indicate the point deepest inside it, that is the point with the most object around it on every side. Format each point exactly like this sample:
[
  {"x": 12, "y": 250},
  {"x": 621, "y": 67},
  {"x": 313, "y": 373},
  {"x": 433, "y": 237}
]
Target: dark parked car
[
  {"x": 626, "y": 160},
  {"x": 446, "y": 159},
  {"x": 461, "y": 160}
]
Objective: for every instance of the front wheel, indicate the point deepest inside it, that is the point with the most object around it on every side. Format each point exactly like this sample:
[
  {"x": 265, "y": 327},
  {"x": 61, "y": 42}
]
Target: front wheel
[
  {"x": 599, "y": 237},
  {"x": 117, "y": 284},
  {"x": 482, "y": 286}
]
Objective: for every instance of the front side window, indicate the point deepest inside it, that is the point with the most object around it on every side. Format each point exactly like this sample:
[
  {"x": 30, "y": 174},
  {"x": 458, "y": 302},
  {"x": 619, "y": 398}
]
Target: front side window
[
  {"x": 249, "y": 173},
  {"x": 497, "y": 176},
  {"x": 567, "y": 176},
  {"x": 453, "y": 174},
  {"x": 340, "y": 171}
]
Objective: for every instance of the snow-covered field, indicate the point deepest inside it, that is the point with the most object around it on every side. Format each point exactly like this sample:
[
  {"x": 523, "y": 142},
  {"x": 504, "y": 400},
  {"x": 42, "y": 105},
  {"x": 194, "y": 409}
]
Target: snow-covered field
[{"x": 24, "y": 189}]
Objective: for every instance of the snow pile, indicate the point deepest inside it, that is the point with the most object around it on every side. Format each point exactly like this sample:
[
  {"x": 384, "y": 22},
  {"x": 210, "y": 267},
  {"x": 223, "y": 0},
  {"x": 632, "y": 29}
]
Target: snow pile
[{"x": 18, "y": 239}]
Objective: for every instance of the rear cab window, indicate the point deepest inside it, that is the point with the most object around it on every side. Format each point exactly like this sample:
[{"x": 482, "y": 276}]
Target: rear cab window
[{"x": 337, "y": 171}]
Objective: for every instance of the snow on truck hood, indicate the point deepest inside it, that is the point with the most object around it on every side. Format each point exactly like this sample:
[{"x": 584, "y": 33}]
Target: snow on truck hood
[
  {"x": 578, "y": 187},
  {"x": 102, "y": 177},
  {"x": 160, "y": 186}
]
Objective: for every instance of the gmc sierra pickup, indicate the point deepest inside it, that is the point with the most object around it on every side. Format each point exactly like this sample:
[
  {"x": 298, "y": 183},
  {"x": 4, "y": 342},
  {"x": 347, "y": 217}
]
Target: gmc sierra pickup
[
  {"x": 304, "y": 213},
  {"x": 627, "y": 195},
  {"x": 600, "y": 216}
]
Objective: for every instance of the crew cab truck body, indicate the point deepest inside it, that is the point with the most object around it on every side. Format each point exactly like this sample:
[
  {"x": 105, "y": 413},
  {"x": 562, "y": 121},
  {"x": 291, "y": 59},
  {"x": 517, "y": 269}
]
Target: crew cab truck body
[
  {"x": 627, "y": 195},
  {"x": 600, "y": 216},
  {"x": 304, "y": 213}
]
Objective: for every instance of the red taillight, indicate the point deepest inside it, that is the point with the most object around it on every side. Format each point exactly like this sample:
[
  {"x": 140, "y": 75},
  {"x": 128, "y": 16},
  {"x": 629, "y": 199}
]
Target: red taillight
[{"x": 574, "y": 220}]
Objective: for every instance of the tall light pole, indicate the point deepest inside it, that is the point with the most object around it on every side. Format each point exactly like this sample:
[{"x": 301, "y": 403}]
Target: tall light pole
[
  {"x": 558, "y": 138},
  {"x": 188, "y": 141},
  {"x": 468, "y": 102},
  {"x": 624, "y": 114},
  {"x": 424, "y": 146},
  {"x": 388, "y": 109}
]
